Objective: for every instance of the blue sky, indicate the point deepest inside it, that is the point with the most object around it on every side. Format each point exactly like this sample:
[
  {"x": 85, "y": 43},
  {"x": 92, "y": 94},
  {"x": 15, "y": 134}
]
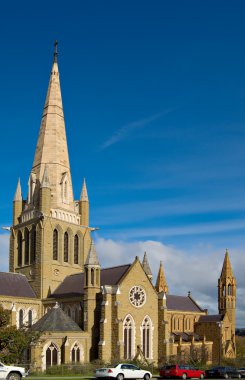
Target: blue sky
[{"x": 154, "y": 96}]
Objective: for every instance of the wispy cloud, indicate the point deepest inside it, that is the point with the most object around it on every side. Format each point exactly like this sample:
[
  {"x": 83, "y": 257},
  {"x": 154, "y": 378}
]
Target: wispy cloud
[{"x": 123, "y": 132}]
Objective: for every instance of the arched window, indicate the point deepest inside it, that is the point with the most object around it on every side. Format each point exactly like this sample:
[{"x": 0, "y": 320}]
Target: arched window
[
  {"x": 92, "y": 276},
  {"x": 75, "y": 354},
  {"x": 76, "y": 241},
  {"x": 30, "y": 318},
  {"x": 66, "y": 242},
  {"x": 33, "y": 244},
  {"x": 128, "y": 338},
  {"x": 21, "y": 318},
  {"x": 19, "y": 249},
  {"x": 26, "y": 237},
  {"x": 51, "y": 355},
  {"x": 65, "y": 190},
  {"x": 55, "y": 245},
  {"x": 146, "y": 337},
  {"x": 229, "y": 290},
  {"x": 69, "y": 312}
]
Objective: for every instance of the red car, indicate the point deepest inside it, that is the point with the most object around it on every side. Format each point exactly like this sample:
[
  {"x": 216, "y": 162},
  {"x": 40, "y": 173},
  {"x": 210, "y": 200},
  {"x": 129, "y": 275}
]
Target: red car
[{"x": 183, "y": 371}]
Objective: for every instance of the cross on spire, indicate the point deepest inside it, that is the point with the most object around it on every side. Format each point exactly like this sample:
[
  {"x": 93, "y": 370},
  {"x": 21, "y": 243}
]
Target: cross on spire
[{"x": 55, "y": 50}]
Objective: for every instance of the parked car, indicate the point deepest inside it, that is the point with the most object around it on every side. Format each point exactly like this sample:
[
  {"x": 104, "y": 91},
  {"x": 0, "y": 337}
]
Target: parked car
[
  {"x": 242, "y": 371},
  {"x": 224, "y": 372},
  {"x": 11, "y": 372},
  {"x": 182, "y": 371},
  {"x": 123, "y": 371}
]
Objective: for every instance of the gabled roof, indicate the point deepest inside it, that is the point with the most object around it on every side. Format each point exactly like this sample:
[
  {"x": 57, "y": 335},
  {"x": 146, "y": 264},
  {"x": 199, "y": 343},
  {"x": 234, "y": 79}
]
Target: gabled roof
[
  {"x": 211, "y": 318},
  {"x": 55, "y": 320},
  {"x": 73, "y": 286},
  {"x": 182, "y": 303},
  {"x": 15, "y": 285}
]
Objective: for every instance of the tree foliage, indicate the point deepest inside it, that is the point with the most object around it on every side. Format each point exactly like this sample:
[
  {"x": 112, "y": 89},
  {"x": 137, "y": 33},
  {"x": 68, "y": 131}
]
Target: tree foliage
[{"x": 14, "y": 342}]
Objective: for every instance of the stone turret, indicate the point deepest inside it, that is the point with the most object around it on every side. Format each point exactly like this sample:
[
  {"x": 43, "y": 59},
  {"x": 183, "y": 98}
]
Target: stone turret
[{"x": 91, "y": 300}]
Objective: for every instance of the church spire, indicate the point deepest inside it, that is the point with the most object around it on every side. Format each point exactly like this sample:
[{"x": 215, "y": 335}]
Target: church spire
[
  {"x": 51, "y": 149},
  {"x": 227, "y": 269},
  {"x": 146, "y": 266},
  {"x": 161, "y": 283}
]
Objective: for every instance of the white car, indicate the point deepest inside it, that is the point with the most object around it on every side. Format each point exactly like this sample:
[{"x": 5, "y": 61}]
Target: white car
[
  {"x": 10, "y": 372},
  {"x": 123, "y": 371}
]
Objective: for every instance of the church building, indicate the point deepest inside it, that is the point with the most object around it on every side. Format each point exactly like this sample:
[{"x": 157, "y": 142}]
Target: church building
[{"x": 58, "y": 286}]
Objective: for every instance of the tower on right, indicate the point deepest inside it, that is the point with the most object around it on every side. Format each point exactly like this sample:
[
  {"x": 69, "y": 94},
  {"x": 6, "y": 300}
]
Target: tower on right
[{"x": 227, "y": 297}]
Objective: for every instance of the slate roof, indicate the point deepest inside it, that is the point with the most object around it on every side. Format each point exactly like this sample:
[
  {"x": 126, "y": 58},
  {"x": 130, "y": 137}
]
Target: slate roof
[
  {"x": 182, "y": 303},
  {"x": 73, "y": 286},
  {"x": 210, "y": 318},
  {"x": 55, "y": 320},
  {"x": 15, "y": 285}
]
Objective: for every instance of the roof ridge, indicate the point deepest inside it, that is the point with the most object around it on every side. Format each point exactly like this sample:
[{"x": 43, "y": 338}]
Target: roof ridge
[{"x": 117, "y": 266}]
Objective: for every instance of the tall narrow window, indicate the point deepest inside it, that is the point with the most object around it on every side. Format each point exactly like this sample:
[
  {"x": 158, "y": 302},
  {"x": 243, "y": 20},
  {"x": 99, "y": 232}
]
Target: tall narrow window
[
  {"x": 21, "y": 318},
  {"x": 33, "y": 244},
  {"x": 19, "y": 249},
  {"x": 30, "y": 318},
  {"x": 55, "y": 245},
  {"x": 92, "y": 276},
  {"x": 75, "y": 354},
  {"x": 146, "y": 337},
  {"x": 66, "y": 242},
  {"x": 229, "y": 290},
  {"x": 27, "y": 244},
  {"x": 128, "y": 338},
  {"x": 51, "y": 355},
  {"x": 76, "y": 242}
]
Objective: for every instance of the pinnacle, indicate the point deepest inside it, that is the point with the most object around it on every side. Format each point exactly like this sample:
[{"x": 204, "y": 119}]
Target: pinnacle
[
  {"x": 84, "y": 193},
  {"x": 92, "y": 258},
  {"x": 161, "y": 283},
  {"x": 146, "y": 266},
  {"x": 18, "y": 194}
]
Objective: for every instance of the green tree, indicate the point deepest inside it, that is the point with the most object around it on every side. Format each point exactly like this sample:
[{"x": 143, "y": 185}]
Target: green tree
[{"x": 14, "y": 342}]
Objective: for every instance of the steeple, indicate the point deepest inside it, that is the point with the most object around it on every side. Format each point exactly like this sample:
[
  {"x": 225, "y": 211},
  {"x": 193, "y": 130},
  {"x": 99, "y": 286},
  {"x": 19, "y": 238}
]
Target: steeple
[
  {"x": 226, "y": 270},
  {"x": 18, "y": 194},
  {"x": 161, "y": 283},
  {"x": 51, "y": 150},
  {"x": 146, "y": 266}
]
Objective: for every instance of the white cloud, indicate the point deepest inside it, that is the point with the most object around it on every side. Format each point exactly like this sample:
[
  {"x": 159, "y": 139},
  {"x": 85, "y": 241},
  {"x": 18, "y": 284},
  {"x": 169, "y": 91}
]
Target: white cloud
[
  {"x": 4, "y": 252},
  {"x": 184, "y": 270},
  {"x": 127, "y": 129}
]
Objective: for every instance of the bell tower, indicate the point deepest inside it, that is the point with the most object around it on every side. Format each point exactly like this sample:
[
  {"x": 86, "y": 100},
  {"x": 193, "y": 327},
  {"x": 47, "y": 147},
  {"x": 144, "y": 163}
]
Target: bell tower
[
  {"x": 227, "y": 293},
  {"x": 50, "y": 237}
]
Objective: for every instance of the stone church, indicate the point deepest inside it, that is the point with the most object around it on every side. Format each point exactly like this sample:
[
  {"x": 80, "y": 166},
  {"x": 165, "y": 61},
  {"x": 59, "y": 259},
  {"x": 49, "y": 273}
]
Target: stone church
[{"x": 57, "y": 286}]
